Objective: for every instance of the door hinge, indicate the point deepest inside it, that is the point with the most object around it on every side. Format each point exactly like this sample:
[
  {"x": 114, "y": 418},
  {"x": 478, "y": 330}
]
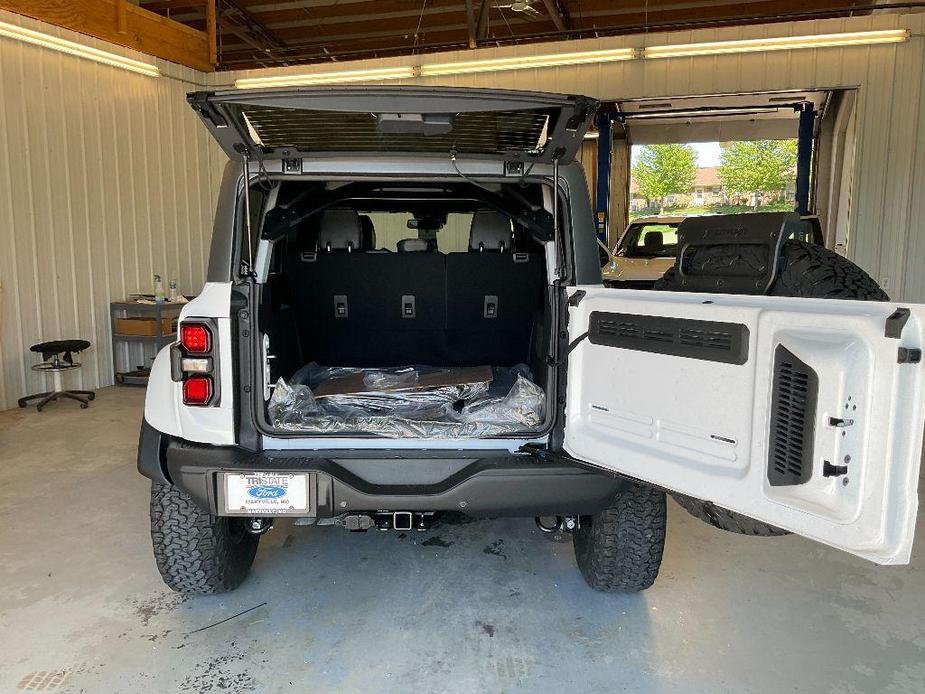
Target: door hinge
[
  {"x": 576, "y": 298},
  {"x": 895, "y": 323}
]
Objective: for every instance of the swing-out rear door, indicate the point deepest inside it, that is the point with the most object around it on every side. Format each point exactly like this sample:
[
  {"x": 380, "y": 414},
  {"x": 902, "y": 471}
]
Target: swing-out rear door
[{"x": 803, "y": 413}]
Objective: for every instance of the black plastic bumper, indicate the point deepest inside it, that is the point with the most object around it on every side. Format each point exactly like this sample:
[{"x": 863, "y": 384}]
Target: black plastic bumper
[{"x": 493, "y": 484}]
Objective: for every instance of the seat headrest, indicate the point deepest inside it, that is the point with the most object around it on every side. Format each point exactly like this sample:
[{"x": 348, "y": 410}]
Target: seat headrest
[
  {"x": 367, "y": 233},
  {"x": 490, "y": 231},
  {"x": 413, "y": 245},
  {"x": 654, "y": 240},
  {"x": 340, "y": 231}
]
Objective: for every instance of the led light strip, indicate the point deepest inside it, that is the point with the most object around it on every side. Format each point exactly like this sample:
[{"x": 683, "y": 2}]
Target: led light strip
[
  {"x": 856, "y": 38},
  {"x": 37, "y": 38},
  {"x": 525, "y": 62},
  {"x": 783, "y": 43},
  {"x": 317, "y": 78}
]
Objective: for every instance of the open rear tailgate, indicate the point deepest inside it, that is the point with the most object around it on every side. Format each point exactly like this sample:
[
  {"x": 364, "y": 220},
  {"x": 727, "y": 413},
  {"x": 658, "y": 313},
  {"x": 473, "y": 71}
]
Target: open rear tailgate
[{"x": 330, "y": 121}]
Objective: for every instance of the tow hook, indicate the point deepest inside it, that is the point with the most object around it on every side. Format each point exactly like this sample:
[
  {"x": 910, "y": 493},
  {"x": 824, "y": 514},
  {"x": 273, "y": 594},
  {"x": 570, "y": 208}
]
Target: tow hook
[
  {"x": 554, "y": 524},
  {"x": 258, "y": 526}
]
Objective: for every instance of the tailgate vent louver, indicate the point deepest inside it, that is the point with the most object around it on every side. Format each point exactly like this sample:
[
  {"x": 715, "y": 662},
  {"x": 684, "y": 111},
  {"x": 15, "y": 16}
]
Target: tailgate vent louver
[
  {"x": 793, "y": 417},
  {"x": 681, "y": 337}
]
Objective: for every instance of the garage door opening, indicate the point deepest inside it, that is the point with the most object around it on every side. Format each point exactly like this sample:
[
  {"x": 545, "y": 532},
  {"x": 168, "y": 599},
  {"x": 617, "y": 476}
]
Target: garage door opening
[{"x": 722, "y": 154}]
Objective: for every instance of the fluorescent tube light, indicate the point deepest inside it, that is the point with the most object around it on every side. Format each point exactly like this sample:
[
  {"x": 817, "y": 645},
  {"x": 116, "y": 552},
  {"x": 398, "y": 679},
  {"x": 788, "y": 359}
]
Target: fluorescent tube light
[
  {"x": 782, "y": 43},
  {"x": 337, "y": 77},
  {"x": 37, "y": 38},
  {"x": 524, "y": 62}
]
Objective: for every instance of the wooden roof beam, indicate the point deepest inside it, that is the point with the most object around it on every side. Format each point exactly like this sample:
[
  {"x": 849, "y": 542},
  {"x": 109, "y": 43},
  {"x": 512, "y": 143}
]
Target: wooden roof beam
[
  {"x": 558, "y": 14},
  {"x": 125, "y": 24}
]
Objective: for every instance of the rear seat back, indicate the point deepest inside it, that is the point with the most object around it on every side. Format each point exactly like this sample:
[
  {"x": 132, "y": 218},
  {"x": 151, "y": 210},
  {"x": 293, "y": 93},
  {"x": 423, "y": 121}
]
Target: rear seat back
[
  {"x": 494, "y": 295},
  {"x": 356, "y": 308}
]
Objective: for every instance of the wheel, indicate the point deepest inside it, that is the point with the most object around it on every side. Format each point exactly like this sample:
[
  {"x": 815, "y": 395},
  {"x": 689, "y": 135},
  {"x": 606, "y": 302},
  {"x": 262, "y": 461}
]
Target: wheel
[
  {"x": 84, "y": 406},
  {"x": 805, "y": 270},
  {"x": 91, "y": 396},
  {"x": 724, "y": 519},
  {"x": 197, "y": 553},
  {"x": 619, "y": 549}
]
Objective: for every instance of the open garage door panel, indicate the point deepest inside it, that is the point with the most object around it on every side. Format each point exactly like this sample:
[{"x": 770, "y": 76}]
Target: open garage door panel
[
  {"x": 719, "y": 118},
  {"x": 806, "y": 414}
]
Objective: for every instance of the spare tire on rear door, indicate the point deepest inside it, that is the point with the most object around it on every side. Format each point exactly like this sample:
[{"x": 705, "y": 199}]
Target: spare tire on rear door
[{"x": 805, "y": 270}]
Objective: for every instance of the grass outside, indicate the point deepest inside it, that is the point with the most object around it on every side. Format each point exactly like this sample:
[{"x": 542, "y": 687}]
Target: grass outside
[{"x": 715, "y": 209}]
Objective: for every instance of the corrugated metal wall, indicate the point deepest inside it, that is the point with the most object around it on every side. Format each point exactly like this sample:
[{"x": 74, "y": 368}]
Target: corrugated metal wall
[
  {"x": 888, "y": 194},
  {"x": 107, "y": 177},
  {"x": 104, "y": 180}
]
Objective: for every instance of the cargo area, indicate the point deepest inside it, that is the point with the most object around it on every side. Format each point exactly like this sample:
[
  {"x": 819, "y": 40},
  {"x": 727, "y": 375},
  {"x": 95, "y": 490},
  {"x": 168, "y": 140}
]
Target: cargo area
[{"x": 404, "y": 310}]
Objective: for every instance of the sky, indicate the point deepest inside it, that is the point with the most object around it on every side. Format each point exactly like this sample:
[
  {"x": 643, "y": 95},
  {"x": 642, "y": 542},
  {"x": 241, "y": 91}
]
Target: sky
[{"x": 707, "y": 153}]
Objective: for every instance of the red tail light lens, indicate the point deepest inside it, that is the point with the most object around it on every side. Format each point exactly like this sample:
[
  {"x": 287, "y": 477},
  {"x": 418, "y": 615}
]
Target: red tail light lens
[
  {"x": 195, "y": 338},
  {"x": 197, "y": 390}
]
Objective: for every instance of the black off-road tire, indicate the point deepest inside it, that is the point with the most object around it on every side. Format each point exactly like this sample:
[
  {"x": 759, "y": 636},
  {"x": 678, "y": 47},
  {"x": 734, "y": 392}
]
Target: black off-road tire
[
  {"x": 619, "y": 549},
  {"x": 724, "y": 519},
  {"x": 805, "y": 270},
  {"x": 197, "y": 553}
]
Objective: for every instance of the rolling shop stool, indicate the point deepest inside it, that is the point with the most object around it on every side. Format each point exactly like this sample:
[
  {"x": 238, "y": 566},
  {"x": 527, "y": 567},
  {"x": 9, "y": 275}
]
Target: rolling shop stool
[{"x": 54, "y": 363}]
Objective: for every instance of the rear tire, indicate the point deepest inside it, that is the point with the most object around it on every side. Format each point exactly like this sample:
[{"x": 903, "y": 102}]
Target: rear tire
[
  {"x": 197, "y": 553},
  {"x": 807, "y": 271},
  {"x": 619, "y": 549}
]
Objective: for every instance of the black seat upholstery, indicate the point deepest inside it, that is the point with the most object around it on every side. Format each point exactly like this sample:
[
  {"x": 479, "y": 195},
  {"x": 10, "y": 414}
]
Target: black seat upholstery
[
  {"x": 388, "y": 309},
  {"x": 490, "y": 231},
  {"x": 654, "y": 241},
  {"x": 340, "y": 231},
  {"x": 53, "y": 347},
  {"x": 494, "y": 295},
  {"x": 367, "y": 233},
  {"x": 367, "y": 308}
]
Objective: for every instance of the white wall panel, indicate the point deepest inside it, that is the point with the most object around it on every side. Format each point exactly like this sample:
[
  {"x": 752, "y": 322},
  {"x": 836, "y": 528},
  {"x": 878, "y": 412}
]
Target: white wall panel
[{"x": 105, "y": 179}]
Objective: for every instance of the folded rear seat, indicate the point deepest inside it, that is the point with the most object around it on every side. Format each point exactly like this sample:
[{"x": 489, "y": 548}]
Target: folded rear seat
[
  {"x": 494, "y": 296},
  {"x": 367, "y": 309}
]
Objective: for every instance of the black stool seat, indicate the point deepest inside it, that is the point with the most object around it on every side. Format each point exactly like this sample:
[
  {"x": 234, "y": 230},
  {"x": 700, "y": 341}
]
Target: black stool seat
[
  {"x": 53, "y": 365},
  {"x": 53, "y": 347}
]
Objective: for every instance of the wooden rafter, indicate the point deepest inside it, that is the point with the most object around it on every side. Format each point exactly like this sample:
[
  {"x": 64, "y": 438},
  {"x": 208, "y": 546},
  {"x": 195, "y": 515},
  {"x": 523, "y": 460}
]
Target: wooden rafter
[
  {"x": 558, "y": 14},
  {"x": 125, "y": 24}
]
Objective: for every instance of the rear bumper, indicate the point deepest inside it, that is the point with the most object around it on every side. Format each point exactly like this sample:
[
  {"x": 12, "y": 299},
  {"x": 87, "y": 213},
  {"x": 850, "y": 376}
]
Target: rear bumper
[{"x": 490, "y": 485}]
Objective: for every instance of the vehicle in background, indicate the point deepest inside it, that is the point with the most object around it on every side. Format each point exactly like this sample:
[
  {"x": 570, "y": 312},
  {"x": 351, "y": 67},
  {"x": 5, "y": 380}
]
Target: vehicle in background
[{"x": 649, "y": 245}]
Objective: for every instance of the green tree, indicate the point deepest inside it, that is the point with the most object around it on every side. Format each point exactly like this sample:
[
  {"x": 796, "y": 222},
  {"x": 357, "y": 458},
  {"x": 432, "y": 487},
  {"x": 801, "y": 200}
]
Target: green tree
[
  {"x": 757, "y": 167},
  {"x": 665, "y": 169}
]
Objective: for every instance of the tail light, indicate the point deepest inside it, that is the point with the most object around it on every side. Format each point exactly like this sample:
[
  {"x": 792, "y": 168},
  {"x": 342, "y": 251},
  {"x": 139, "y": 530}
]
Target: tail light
[
  {"x": 197, "y": 390},
  {"x": 195, "y": 338},
  {"x": 194, "y": 362}
]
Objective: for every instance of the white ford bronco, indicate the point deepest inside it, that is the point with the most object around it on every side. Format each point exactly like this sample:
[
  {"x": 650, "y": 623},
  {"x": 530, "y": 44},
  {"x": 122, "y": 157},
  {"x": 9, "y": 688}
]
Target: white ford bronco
[{"x": 404, "y": 316}]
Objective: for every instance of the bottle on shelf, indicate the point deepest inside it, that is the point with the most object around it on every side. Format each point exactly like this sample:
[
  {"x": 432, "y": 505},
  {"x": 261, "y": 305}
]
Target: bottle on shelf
[
  {"x": 172, "y": 293},
  {"x": 158, "y": 290}
]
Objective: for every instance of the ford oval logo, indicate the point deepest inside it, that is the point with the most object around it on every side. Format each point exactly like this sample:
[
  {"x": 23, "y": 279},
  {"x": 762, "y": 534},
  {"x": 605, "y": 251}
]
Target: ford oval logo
[{"x": 267, "y": 491}]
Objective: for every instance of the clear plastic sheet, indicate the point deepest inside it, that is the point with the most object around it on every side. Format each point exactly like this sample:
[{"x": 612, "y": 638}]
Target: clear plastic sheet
[{"x": 394, "y": 407}]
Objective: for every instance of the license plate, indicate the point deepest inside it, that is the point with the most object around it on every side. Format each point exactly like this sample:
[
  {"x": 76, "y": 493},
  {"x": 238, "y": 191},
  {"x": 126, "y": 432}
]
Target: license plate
[{"x": 266, "y": 493}]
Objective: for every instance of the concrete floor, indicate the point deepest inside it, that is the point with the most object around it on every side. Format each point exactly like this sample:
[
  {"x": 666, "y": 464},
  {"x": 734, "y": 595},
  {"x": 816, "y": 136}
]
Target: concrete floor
[{"x": 483, "y": 606}]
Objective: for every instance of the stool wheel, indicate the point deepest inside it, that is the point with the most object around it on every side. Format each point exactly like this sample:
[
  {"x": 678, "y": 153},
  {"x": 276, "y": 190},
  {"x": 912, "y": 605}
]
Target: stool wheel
[{"x": 84, "y": 406}]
